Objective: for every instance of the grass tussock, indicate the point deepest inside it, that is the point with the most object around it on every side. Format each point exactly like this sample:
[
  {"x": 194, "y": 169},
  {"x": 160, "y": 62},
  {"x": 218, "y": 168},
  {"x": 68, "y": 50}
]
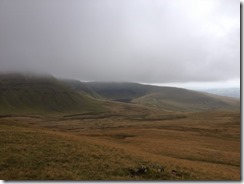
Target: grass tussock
[
  {"x": 201, "y": 146},
  {"x": 38, "y": 154}
]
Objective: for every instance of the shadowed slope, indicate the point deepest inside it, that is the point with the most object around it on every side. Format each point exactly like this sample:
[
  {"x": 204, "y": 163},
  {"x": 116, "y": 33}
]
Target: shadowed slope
[
  {"x": 165, "y": 98},
  {"x": 81, "y": 87},
  {"x": 44, "y": 94},
  {"x": 32, "y": 94},
  {"x": 121, "y": 90}
]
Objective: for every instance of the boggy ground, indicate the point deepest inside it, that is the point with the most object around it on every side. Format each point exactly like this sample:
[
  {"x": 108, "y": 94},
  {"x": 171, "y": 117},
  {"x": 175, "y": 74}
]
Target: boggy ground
[{"x": 117, "y": 146}]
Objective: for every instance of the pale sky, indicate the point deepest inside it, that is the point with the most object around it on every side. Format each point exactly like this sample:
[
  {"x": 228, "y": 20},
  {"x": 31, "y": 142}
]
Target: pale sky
[
  {"x": 190, "y": 42},
  {"x": 201, "y": 85}
]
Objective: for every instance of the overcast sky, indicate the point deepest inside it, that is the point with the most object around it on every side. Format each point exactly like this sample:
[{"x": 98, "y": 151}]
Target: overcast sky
[{"x": 149, "y": 41}]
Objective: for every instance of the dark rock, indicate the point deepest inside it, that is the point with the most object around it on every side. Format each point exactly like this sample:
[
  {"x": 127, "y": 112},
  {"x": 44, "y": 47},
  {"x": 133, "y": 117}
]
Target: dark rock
[
  {"x": 139, "y": 171},
  {"x": 175, "y": 173}
]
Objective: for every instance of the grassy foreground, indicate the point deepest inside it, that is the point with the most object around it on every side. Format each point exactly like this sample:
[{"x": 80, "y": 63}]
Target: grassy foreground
[
  {"x": 39, "y": 154},
  {"x": 197, "y": 146}
]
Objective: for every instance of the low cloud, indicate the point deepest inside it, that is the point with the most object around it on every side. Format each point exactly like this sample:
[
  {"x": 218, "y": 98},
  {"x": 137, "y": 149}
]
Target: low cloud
[{"x": 124, "y": 40}]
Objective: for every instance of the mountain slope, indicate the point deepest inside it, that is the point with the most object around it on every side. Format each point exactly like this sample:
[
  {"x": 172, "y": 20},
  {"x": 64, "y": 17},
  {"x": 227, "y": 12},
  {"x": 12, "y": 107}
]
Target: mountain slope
[
  {"x": 165, "y": 98},
  {"x": 44, "y": 94},
  {"x": 175, "y": 99},
  {"x": 118, "y": 91},
  {"x": 81, "y": 87},
  {"x": 27, "y": 93}
]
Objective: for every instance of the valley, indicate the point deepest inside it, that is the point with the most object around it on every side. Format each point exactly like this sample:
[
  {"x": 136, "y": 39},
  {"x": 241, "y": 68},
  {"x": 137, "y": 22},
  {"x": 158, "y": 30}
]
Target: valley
[
  {"x": 85, "y": 134},
  {"x": 120, "y": 91}
]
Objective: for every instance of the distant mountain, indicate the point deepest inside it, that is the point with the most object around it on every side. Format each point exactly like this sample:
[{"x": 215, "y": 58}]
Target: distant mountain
[
  {"x": 21, "y": 94},
  {"x": 176, "y": 99},
  {"x": 40, "y": 94},
  {"x": 165, "y": 98},
  {"x": 231, "y": 92}
]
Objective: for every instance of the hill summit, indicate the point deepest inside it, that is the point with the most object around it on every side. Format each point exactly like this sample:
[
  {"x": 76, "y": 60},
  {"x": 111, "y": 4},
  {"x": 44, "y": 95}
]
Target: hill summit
[{"x": 25, "y": 93}]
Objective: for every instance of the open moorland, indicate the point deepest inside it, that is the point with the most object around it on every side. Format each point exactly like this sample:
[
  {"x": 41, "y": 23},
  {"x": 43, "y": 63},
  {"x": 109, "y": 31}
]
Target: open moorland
[{"x": 75, "y": 131}]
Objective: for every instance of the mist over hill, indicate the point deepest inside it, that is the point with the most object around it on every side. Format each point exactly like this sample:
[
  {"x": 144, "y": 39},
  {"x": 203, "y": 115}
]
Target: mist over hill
[
  {"x": 111, "y": 90},
  {"x": 21, "y": 93},
  {"x": 29, "y": 93},
  {"x": 113, "y": 125},
  {"x": 164, "y": 98}
]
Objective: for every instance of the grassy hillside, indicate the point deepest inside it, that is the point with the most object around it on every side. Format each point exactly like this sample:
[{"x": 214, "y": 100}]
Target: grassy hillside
[
  {"x": 80, "y": 131},
  {"x": 31, "y": 94},
  {"x": 164, "y": 98},
  {"x": 81, "y": 87},
  {"x": 44, "y": 94},
  {"x": 51, "y": 155},
  {"x": 120, "y": 91},
  {"x": 175, "y": 99},
  {"x": 56, "y": 155}
]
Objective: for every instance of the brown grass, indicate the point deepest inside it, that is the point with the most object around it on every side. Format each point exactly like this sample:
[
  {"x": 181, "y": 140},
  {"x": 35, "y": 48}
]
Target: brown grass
[{"x": 198, "y": 146}]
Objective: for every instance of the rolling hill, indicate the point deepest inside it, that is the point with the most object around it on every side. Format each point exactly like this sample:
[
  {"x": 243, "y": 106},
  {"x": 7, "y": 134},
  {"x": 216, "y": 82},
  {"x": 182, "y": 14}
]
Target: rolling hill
[
  {"x": 21, "y": 93},
  {"x": 116, "y": 91},
  {"x": 174, "y": 99},
  {"x": 66, "y": 129},
  {"x": 164, "y": 98}
]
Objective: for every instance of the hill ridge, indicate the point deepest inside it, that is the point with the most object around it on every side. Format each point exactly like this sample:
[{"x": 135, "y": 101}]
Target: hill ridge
[
  {"x": 40, "y": 94},
  {"x": 159, "y": 96},
  {"x": 46, "y": 94}
]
